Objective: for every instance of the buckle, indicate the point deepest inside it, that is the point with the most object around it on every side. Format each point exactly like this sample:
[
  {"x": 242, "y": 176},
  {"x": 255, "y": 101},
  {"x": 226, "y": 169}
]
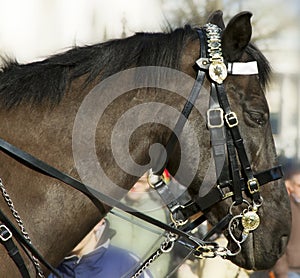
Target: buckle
[
  {"x": 231, "y": 119},
  {"x": 153, "y": 180},
  {"x": 215, "y": 118},
  {"x": 174, "y": 217},
  {"x": 5, "y": 233},
  {"x": 224, "y": 195},
  {"x": 253, "y": 185},
  {"x": 208, "y": 250}
]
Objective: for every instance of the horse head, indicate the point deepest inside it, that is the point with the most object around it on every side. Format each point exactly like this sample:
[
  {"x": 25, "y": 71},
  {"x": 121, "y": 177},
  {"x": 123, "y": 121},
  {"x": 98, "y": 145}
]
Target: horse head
[{"x": 246, "y": 96}]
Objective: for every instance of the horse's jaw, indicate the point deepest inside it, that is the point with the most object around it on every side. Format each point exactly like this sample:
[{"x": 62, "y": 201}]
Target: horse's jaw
[{"x": 251, "y": 256}]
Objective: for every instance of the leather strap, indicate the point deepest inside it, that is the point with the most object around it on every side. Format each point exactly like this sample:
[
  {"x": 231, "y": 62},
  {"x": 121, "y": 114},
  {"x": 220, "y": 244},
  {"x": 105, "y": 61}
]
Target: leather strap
[
  {"x": 20, "y": 238},
  {"x": 238, "y": 140},
  {"x": 42, "y": 167},
  {"x": 218, "y": 228},
  {"x": 216, "y": 194},
  {"x": 235, "y": 170},
  {"x": 162, "y": 160},
  {"x": 12, "y": 250},
  {"x": 216, "y": 128}
]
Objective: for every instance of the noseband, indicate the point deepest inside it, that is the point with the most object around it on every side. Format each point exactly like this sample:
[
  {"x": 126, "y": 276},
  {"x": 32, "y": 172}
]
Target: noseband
[{"x": 228, "y": 152}]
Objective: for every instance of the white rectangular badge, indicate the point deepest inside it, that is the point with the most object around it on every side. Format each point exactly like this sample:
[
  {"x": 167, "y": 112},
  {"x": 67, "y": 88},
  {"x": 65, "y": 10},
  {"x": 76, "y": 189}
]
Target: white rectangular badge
[{"x": 240, "y": 68}]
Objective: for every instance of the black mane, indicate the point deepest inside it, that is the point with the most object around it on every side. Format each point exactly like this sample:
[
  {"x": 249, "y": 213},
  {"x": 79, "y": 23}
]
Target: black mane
[
  {"x": 48, "y": 79},
  {"x": 264, "y": 68},
  {"x": 35, "y": 82}
]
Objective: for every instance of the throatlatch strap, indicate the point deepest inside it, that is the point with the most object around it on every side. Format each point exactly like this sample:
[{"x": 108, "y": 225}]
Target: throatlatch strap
[
  {"x": 161, "y": 187},
  {"x": 162, "y": 160}
]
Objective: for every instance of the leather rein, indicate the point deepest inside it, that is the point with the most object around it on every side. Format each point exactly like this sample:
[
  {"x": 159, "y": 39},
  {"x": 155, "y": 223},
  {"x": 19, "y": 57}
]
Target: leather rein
[{"x": 228, "y": 150}]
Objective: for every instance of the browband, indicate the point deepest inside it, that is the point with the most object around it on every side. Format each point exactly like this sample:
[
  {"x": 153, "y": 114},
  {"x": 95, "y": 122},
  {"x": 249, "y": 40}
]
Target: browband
[
  {"x": 235, "y": 68},
  {"x": 240, "y": 68}
]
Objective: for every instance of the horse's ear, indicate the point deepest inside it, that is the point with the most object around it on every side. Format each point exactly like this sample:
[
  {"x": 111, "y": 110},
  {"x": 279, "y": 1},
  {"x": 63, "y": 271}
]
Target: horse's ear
[
  {"x": 217, "y": 19},
  {"x": 236, "y": 36}
]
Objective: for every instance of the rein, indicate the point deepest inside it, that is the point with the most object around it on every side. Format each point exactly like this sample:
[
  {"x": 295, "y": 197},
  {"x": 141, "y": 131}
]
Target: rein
[{"x": 223, "y": 124}]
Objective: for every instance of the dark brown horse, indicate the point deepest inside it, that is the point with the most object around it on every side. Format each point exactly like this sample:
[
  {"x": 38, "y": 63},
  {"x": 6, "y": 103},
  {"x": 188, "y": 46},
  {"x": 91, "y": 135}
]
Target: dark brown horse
[{"x": 43, "y": 104}]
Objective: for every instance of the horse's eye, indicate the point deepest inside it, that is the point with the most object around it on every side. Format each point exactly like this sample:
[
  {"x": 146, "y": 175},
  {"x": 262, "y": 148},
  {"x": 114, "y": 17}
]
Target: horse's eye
[{"x": 254, "y": 118}]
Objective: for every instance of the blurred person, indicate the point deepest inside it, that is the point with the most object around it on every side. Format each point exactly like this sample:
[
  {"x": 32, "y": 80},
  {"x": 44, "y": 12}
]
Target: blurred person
[
  {"x": 95, "y": 257},
  {"x": 136, "y": 235},
  {"x": 288, "y": 266},
  {"x": 187, "y": 270}
]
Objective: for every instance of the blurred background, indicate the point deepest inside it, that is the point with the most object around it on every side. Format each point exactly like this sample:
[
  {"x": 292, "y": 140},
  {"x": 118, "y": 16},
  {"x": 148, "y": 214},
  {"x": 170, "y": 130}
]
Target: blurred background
[{"x": 33, "y": 29}]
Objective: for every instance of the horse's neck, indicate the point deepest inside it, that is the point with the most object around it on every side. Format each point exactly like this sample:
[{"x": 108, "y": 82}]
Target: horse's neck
[{"x": 51, "y": 211}]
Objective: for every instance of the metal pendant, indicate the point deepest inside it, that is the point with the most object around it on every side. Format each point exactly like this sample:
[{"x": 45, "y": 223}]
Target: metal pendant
[
  {"x": 217, "y": 71},
  {"x": 250, "y": 220}
]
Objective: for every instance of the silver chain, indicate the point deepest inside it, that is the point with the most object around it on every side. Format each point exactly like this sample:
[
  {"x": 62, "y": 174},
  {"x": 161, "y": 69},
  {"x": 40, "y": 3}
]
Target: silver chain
[
  {"x": 165, "y": 247},
  {"x": 147, "y": 264},
  {"x": 21, "y": 226},
  {"x": 210, "y": 251}
]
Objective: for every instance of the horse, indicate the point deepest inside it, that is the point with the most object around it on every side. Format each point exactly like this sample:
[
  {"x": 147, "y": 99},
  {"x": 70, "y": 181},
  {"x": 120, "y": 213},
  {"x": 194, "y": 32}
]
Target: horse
[{"x": 48, "y": 112}]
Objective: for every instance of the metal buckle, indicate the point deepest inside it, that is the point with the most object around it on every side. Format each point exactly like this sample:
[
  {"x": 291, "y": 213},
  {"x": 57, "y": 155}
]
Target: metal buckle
[
  {"x": 206, "y": 251},
  {"x": 5, "y": 234},
  {"x": 212, "y": 115},
  {"x": 175, "y": 220},
  {"x": 225, "y": 195},
  {"x": 253, "y": 183},
  {"x": 231, "y": 119},
  {"x": 154, "y": 181}
]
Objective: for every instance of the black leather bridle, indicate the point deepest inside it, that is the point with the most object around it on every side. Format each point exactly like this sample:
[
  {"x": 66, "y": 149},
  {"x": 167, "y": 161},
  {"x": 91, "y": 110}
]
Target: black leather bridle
[
  {"x": 232, "y": 166},
  {"x": 222, "y": 123},
  {"x": 224, "y": 131}
]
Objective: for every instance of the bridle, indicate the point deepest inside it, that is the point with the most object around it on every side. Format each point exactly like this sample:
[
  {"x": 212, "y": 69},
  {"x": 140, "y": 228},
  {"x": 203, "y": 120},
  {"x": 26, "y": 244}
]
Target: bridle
[
  {"x": 229, "y": 156},
  {"x": 232, "y": 166}
]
